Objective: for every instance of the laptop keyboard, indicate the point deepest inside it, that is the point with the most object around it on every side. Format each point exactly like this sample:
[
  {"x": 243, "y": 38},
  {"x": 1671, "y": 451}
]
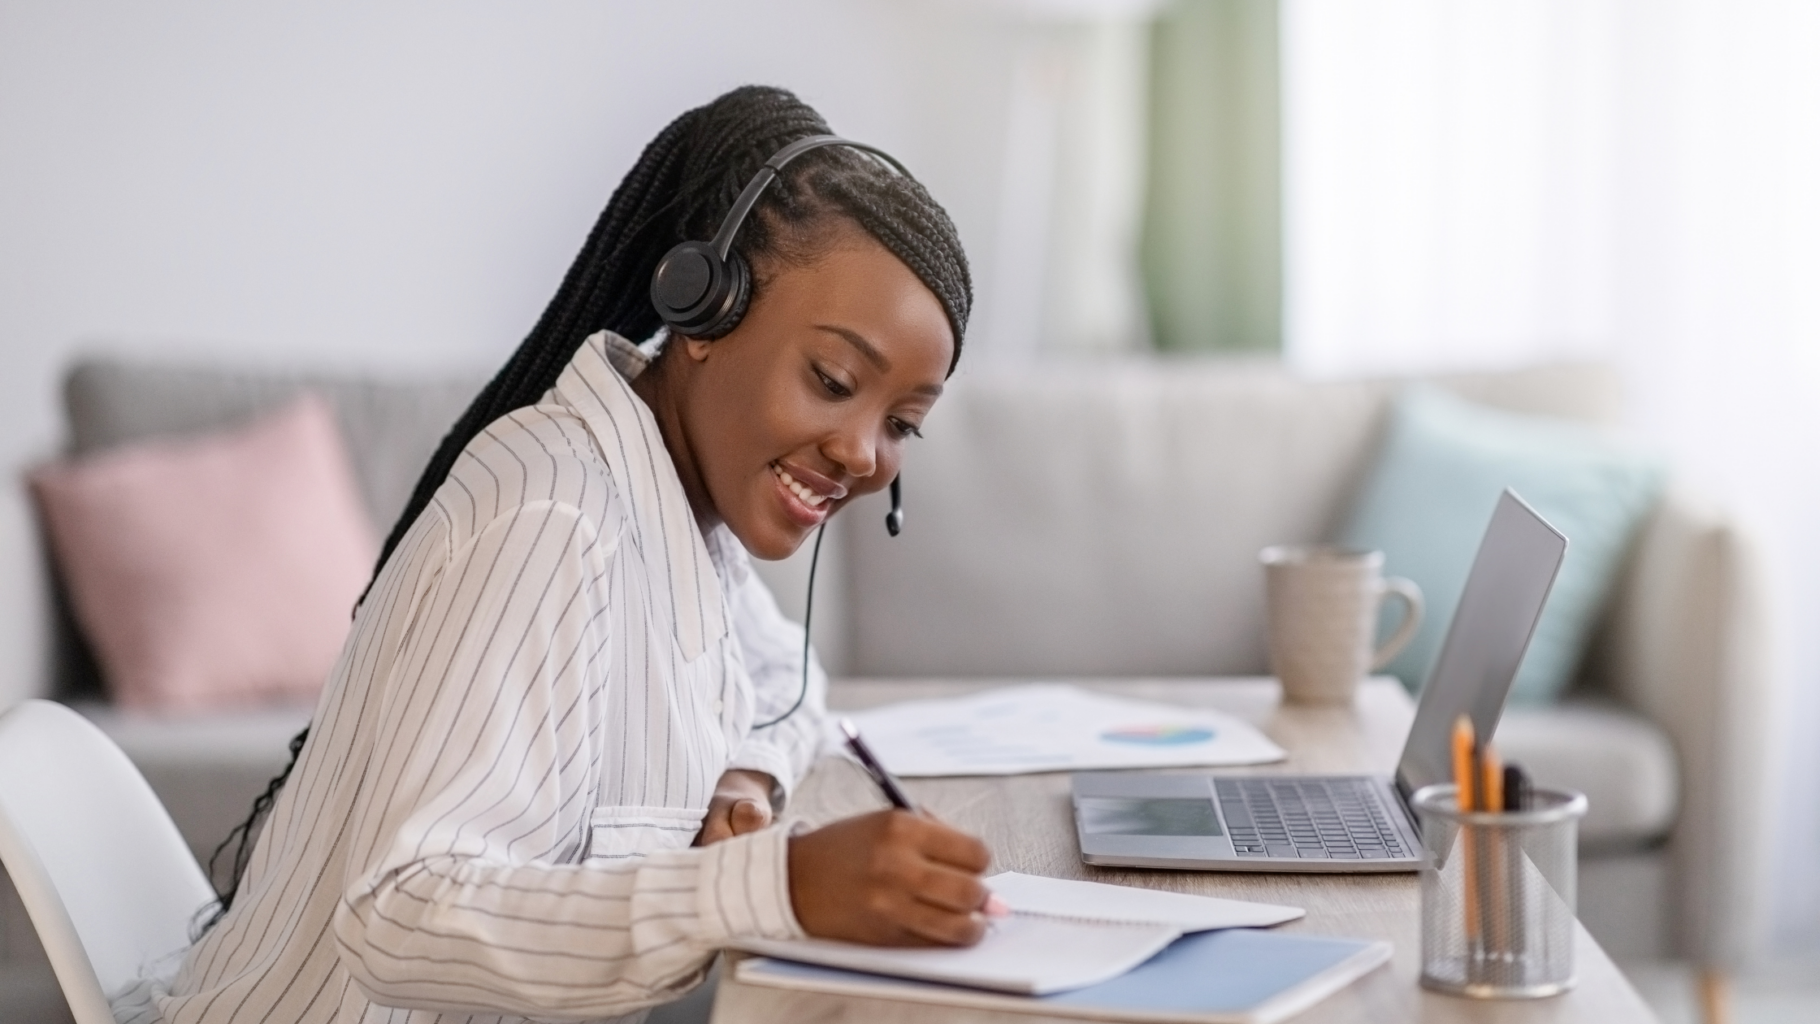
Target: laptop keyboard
[{"x": 1328, "y": 819}]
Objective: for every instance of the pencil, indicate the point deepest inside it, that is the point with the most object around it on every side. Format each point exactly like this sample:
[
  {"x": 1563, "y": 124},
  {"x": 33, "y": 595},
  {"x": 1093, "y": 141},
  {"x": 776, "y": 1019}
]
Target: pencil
[
  {"x": 1492, "y": 770},
  {"x": 1462, "y": 762},
  {"x": 1464, "y": 777},
  {"x": 1494, "y": 859}
]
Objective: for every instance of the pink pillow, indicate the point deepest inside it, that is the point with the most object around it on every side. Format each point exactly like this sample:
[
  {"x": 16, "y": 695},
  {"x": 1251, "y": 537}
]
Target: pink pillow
[{"x": 214, "y": 571}]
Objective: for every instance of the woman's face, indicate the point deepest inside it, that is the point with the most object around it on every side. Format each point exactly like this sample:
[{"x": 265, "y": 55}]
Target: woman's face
[{"x": 809, "y": 401}]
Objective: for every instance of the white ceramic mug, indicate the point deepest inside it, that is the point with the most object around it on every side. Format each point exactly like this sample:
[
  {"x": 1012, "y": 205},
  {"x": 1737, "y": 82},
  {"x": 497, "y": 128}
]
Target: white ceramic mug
[{"x": 1323, "y": 603}]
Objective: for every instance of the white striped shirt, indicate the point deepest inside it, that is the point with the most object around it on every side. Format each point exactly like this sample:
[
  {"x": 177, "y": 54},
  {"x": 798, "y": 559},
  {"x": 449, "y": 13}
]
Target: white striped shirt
[{"x": 493, "y": 815}]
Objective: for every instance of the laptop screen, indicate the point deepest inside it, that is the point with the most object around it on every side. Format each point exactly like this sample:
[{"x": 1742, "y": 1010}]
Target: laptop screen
[{"x": 1497, "y": 614}]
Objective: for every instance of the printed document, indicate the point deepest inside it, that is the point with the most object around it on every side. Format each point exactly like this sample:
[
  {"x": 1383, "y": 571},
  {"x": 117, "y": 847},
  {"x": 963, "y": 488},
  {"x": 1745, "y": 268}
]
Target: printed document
[{"x": 1050, "y": 727}]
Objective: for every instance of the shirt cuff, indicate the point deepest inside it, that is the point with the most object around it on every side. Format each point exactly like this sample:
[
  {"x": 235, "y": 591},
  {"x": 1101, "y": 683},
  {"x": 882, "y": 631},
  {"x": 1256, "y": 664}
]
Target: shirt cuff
[{"x": 743, "y": 890}]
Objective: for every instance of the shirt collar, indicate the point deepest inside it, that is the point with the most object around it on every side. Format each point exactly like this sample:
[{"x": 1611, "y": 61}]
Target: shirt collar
[{"x": 597, "y": 385}]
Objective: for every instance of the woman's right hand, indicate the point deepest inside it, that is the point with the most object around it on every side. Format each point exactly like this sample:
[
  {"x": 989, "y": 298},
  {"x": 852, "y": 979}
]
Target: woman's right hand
[{"x": 890, "y": 878}]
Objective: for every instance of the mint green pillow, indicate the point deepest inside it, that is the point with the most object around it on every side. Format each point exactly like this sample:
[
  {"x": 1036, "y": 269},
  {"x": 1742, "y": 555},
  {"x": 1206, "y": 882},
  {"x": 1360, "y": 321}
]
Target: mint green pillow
[{"x": 1443, "y": 464}]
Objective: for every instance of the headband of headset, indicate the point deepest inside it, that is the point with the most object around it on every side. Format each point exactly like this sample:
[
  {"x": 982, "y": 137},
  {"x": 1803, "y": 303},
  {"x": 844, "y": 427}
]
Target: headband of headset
[{"x": 700, "y": 289}]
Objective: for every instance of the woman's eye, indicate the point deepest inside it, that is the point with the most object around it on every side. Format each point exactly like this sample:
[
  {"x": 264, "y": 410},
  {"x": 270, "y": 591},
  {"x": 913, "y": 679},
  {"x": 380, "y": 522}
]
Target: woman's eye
[
  {"x": 835, "y": 387},
  {"x": 902, "y": 428}
]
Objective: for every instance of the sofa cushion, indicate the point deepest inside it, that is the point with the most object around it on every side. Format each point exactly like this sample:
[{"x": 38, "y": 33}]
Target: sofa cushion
[
  {"x": 214, "y": 571},
  {"x": 1432, "y": 488},
  {"x": 391, "y": 429},
  {"x": 1624, "y": 764}
]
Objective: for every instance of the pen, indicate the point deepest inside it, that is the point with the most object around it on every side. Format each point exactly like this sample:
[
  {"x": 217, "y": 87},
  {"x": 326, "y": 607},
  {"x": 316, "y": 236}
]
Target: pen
[
  {"x": 893, "y": 791},
  {"x": 1516, "y": 798},
  {"x": 1516, "y": 788}
]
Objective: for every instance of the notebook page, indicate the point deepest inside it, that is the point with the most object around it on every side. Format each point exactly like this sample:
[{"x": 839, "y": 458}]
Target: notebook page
[
  {"x": 1026, "y": 954},
  {"x": 1064, "y": 897}
]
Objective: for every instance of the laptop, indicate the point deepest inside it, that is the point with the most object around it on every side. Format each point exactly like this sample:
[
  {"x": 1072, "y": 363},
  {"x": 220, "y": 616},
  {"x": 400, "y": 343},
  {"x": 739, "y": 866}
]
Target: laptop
[{"x": 1341, "y": 823}]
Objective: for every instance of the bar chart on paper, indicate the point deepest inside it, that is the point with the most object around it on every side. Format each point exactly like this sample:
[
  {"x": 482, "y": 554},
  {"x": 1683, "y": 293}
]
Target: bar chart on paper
[{"x": 1047, "y": 727}]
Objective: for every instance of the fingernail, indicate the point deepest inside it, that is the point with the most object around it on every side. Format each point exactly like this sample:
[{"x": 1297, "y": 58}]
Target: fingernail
[{"x": 996, "y": 907}]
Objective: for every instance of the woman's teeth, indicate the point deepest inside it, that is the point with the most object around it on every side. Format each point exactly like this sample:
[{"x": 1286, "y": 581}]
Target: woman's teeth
[{"x": 809, "y": 497}]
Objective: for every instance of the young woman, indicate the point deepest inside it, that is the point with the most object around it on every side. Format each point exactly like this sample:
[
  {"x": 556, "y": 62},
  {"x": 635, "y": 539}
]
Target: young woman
[{"x": 539, "y": 783}]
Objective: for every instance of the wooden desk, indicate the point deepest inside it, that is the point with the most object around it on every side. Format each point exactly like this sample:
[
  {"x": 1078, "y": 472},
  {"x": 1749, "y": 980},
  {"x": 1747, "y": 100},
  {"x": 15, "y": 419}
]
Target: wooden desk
[{"x": 1029, "y": 824}]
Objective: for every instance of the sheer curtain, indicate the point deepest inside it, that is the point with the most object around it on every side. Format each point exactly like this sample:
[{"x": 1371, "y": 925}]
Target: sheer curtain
[{"x": 1473, "y": 183}]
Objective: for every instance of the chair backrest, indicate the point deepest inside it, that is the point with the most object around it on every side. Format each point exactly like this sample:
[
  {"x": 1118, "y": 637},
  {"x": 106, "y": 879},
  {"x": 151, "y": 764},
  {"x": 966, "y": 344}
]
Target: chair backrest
[{"x": 107, "y": 879}]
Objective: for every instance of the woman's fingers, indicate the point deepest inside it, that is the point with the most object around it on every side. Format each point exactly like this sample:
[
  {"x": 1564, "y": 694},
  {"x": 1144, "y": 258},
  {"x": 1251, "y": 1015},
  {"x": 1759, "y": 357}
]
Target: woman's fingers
[
  {"x": 947, "y": 889},
  {"x": 748, "y": 815},
  {"x": 730, "y": 817},
  {"x": 741, "y": 804},
  {"x": 927, "y": 925}
]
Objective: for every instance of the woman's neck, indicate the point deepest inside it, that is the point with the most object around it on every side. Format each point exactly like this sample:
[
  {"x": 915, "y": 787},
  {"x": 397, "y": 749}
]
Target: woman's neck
[{"x": 662, "y": 388}]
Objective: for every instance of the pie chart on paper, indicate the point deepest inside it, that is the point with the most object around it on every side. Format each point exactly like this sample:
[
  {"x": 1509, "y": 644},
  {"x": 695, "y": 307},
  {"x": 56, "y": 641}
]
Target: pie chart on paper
[{"x": 1158, "y": 735}]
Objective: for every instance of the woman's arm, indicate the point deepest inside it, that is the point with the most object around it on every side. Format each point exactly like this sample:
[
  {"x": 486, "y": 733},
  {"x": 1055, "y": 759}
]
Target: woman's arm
[{"x": 463, "y": 890}]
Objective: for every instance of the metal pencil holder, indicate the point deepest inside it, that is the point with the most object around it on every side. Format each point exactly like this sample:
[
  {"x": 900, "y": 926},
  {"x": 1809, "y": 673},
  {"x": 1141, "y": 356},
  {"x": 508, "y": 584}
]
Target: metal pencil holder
[{"x": 1498, "y": 895}]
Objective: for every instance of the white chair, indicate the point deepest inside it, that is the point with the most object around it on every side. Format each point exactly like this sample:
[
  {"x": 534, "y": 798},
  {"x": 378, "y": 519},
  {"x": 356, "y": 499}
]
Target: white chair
[{"x": 110, "y": 885}]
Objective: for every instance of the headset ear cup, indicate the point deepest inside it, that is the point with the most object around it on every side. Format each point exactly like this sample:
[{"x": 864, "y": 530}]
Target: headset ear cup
[
  {"x": 690, "y": 288},
  {"x": 739, "y": 297}
]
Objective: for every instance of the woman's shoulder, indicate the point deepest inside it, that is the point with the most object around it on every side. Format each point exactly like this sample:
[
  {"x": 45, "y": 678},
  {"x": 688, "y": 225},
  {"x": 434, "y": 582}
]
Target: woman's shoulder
[{"x": 537, "y": 456}]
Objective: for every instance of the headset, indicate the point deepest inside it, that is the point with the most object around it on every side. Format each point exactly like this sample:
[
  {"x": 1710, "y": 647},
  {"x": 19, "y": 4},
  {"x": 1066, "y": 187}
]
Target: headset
[{"x": 701, "y": 290}]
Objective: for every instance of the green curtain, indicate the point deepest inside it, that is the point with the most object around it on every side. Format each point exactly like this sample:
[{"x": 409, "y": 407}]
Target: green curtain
[{"x": 1212, "y": 244}]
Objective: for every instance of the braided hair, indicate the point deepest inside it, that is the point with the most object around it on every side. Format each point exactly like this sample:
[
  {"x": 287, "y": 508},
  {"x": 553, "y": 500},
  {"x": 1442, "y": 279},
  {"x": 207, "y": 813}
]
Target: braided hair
[{"x": 682, "y": 186}]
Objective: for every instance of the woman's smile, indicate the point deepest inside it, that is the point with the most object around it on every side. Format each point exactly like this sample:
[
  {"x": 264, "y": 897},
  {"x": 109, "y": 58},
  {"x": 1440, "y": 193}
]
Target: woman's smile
[{"x": 807, "y": 497}]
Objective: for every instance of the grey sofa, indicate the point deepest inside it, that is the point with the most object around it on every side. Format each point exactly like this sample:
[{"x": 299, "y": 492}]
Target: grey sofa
[{"x": 1103, "y": 520}]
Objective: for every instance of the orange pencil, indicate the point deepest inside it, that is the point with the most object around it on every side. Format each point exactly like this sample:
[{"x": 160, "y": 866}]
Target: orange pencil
[
  {"x": 1492, "y": 770},
  {"x": 1463, "y": 762},
  {"x": 1464, "y": 779},
  {"x": 1492, "y": 867}
]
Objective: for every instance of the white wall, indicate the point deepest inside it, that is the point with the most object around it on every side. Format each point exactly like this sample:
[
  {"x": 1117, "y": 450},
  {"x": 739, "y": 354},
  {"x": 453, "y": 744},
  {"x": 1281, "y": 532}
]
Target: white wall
[{"x": 394, "y": 184}]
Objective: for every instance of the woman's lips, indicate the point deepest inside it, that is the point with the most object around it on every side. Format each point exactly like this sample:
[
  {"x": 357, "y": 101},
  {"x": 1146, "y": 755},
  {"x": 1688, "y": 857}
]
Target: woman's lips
[{"x": 804, "y": 504}]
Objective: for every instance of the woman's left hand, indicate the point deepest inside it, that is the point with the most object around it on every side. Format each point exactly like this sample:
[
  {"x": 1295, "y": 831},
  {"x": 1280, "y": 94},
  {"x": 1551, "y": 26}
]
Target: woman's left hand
[{"x": 741, "y": 804}]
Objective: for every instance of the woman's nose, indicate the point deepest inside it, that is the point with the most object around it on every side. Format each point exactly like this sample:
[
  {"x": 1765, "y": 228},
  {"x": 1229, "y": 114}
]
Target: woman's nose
[{"x": 854, "y": 450}]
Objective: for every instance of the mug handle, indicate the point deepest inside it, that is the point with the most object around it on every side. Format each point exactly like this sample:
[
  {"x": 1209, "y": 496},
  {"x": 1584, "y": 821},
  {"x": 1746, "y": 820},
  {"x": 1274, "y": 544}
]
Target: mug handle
[{"x": 1411, "y": 596}]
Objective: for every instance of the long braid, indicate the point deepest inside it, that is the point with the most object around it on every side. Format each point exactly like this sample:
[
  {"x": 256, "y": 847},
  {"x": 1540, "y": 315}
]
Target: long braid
[{"x": 681, "y": 187}]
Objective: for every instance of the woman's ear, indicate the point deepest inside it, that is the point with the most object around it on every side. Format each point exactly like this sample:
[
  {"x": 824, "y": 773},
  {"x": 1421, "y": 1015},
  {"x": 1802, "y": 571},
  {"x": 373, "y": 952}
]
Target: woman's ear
[{"x": 697, "y": 348}]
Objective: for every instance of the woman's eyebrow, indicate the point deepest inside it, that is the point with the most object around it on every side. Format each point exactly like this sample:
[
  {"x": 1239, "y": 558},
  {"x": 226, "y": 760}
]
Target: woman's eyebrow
[
  {"x": 866, "y": 348},
  {"x": 874, "y": 356}
]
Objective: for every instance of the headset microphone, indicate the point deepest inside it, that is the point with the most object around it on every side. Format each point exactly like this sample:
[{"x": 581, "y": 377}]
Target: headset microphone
[{"x": 894, "y": 519}]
